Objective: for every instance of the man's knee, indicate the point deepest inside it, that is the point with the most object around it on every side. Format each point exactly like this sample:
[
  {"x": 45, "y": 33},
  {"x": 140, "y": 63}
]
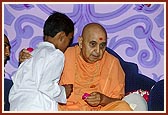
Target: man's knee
[{"x": 117, "y": 106}]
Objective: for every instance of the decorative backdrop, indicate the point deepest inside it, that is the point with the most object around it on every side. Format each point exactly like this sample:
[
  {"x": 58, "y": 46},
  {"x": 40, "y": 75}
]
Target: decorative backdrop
[{"x": 135, "y": 31}]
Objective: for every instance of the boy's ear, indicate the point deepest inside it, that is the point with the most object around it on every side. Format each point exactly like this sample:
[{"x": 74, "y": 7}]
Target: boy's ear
[
  {"x": 60, "y": 36},
  {"x": 80, "y": 39}
]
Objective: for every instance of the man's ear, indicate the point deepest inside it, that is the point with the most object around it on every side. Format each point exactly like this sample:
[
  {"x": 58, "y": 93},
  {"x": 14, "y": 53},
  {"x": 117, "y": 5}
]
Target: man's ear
[{"x": 80, "y": 40}]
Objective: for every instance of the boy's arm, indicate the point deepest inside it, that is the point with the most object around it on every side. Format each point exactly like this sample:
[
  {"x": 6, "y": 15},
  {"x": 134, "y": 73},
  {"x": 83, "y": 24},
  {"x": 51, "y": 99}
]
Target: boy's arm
[{"x": 52, "y": 71}]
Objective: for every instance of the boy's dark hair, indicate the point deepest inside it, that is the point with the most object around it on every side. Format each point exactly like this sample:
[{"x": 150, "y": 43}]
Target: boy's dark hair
[{"x": 56, "y": 23}]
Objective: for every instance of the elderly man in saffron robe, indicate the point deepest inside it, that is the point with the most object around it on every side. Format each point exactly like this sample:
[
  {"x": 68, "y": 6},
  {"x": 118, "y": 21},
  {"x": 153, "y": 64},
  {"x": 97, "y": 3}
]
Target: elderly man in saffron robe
[{"x": 93, "y": 70}]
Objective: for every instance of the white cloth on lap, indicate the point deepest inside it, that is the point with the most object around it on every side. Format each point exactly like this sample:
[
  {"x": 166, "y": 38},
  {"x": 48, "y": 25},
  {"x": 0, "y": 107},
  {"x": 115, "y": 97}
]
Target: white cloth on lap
[{"x": 136, "y": 102}]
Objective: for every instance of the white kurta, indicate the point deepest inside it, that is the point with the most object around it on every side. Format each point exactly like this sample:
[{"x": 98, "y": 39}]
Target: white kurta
[{"x": 36, "y": 81}]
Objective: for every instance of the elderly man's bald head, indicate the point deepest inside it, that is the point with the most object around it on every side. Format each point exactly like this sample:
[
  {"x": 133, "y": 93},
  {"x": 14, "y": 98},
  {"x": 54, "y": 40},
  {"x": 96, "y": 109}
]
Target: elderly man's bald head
[
  {"x": 93, "y": 27},
  {"x": 93, "y": 42}
]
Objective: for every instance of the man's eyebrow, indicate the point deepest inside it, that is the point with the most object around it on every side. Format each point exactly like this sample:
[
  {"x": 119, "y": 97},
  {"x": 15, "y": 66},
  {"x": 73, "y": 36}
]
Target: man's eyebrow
[
  {"x": 6, "y": 43},
  {"x": 103, "y": 43},
  {"x": 93, "y": 41}
]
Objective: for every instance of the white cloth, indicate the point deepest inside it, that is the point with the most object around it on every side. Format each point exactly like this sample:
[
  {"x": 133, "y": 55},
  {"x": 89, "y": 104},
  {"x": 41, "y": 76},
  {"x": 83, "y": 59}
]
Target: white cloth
[
  {"x": 35, "y": 85},
  {"x": 136, "y": 102}
]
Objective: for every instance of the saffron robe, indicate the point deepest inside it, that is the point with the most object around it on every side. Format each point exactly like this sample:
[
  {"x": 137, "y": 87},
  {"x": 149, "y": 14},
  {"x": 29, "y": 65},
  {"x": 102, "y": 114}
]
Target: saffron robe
[{"x": 105, "y": 76}]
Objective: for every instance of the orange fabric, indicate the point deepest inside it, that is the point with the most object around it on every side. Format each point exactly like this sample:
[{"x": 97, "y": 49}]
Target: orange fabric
[
  {"x": 117, "y": 106},
  {"x": 105, "y": 76}
]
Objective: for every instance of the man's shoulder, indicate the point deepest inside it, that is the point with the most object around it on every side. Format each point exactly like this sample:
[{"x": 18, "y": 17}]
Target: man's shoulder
[
  {"x": 109, "y": 55},
  {"x": 111, "y": 58},
  {"x": 71, "y": 49}
]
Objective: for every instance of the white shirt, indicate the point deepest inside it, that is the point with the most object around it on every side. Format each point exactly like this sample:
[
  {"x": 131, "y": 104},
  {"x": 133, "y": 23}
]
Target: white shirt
[{"x": 35, "y": 85}]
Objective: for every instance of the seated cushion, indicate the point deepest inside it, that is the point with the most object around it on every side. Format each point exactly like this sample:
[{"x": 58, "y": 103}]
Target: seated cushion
[
  {"x": 138, "y": 81},
  {"x": 133, "y": 80}
]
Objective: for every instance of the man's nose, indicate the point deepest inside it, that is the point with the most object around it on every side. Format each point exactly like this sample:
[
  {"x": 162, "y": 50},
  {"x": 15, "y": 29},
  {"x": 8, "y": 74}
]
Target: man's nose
[
  {"x": 7, "y": 51},
  {"x": 97, "y": 50}
]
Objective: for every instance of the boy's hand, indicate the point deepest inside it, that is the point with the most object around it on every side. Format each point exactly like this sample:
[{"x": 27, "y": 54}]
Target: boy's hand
[{"x": 68, "y": 89}]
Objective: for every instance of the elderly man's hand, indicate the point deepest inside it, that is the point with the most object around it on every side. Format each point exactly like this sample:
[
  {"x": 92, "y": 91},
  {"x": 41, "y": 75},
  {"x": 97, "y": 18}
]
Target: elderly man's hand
[
  {"x": 94, "y": 99},
  {"x": 97, "y": 98},
  {"x": 23, "y": 55}
]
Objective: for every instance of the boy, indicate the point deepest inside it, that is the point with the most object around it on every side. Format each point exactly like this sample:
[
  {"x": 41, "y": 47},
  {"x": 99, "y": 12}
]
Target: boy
[{"x": 35, "y": 85}]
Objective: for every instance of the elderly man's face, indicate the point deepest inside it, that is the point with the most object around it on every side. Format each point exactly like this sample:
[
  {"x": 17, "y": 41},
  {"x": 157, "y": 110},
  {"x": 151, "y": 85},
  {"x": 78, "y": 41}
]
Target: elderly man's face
[
  {"x": 6, "y": 49},
  {"x": 93, "y": 46}
]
